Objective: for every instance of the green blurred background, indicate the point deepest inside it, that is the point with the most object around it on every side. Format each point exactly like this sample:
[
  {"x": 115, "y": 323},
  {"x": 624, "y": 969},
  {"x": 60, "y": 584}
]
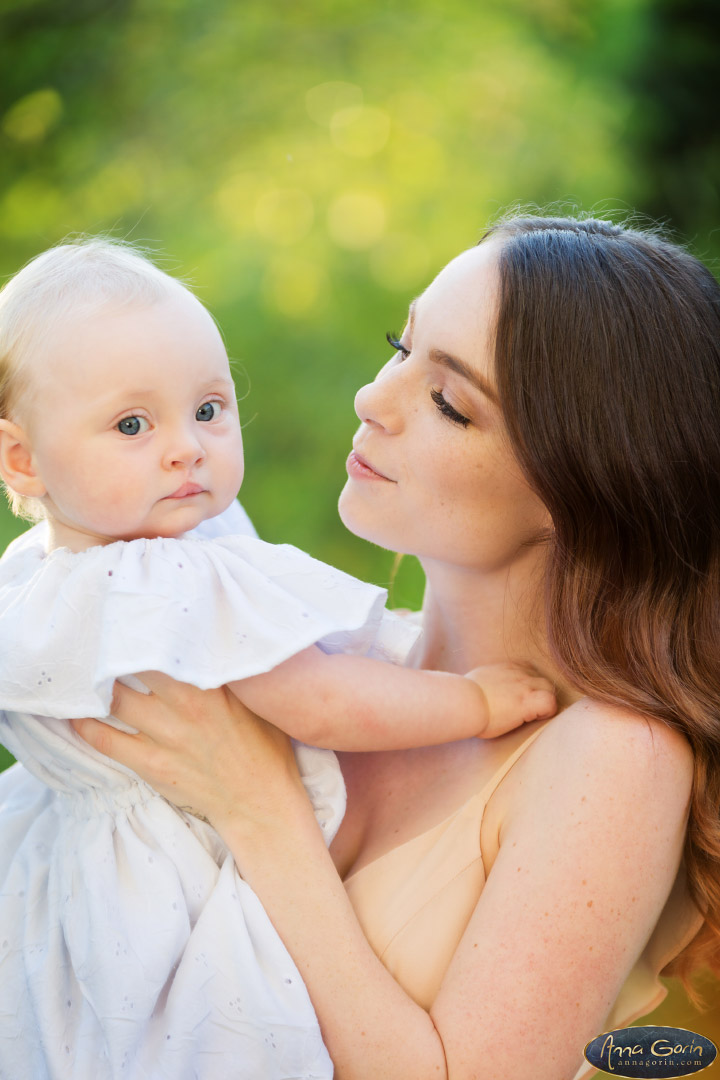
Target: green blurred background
[{"x": 308, "y": 166}]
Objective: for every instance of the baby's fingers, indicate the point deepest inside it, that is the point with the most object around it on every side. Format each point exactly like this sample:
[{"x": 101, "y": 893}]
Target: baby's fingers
[{"x": 540, "y": 703}]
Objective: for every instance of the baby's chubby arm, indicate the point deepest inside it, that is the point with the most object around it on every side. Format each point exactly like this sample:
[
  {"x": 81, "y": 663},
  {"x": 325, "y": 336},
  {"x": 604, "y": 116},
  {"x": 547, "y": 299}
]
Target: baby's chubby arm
[{"x": 358, "y": 703}]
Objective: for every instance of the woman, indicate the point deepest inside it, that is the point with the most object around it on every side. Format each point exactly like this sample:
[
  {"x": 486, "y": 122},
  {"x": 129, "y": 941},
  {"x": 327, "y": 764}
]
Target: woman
[{"x": 545, "y": 440}]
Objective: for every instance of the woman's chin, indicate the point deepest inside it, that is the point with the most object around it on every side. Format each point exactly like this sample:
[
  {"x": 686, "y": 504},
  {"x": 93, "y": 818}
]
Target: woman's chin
[
  {"x": 360, "y": 520},
  {"x": 347, "y": 512}
]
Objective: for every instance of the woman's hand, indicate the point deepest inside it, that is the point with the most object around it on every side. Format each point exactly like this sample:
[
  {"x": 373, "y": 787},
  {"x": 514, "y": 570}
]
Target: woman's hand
[{"x": 201, "y": 749}]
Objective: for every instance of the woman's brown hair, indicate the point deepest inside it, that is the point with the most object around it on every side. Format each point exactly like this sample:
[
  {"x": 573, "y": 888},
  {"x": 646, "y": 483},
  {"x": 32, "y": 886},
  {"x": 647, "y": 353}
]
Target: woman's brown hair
[{"x": 608, "y": 369}]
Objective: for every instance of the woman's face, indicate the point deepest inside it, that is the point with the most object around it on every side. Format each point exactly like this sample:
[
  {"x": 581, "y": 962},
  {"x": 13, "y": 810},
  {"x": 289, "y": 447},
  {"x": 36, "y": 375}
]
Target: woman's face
[{"x": 431, "y": 473}]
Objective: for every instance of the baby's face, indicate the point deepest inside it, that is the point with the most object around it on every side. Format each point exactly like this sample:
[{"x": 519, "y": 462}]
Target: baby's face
[{"x": 133, "y": 422}]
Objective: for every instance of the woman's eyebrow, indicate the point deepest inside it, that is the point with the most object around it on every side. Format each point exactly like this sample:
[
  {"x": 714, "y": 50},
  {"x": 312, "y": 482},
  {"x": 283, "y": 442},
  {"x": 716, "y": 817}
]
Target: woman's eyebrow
[{"x": 439, "y": 356}]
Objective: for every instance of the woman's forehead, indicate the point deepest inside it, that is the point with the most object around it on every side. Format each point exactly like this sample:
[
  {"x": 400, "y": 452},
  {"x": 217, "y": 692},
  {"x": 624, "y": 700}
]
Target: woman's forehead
[
  {"x": 469, "y": 281},
  {"x": 456, "y": 315}
]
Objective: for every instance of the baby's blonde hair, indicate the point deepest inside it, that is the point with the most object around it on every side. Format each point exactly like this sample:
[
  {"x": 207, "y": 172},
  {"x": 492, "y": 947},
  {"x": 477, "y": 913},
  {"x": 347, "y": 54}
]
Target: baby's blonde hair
[{"x": 75, "y": 278}]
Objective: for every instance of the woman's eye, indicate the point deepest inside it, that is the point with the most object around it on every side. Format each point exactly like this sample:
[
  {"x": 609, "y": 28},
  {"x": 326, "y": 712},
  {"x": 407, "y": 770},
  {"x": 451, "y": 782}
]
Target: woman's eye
[
  {"x": 447, "y": 410},
  {"x": 132, "y": 425},
  {"x": 397, "y": 345},
  {"x": 209, "y": 410}
]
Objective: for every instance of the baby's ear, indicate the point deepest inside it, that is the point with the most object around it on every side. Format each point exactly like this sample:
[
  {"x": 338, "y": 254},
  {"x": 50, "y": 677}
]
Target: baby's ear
[{"x": 17, "y": 467}]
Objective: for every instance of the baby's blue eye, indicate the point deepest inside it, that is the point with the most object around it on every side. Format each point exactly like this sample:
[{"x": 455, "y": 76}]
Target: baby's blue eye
[
  {"x": 132, "y": 425},
  {"x": 208, "y": 411}
]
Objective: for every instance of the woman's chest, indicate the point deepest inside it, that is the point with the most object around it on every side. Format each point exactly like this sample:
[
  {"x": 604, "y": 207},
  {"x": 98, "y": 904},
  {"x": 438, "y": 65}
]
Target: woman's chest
[{"x": 394, "y": 797}]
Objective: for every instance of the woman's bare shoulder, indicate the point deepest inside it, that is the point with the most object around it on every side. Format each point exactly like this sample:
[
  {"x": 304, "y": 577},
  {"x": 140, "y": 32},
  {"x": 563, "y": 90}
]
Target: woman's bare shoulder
[
  {"x": 597, "y": 755},
  {"x": 616, "y": 738}
]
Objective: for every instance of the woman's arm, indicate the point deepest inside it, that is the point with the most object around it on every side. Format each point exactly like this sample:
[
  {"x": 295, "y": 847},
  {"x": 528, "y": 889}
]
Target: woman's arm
[
  {"x": 589, "y": 849},
  {"x": 358, "y": 703}
]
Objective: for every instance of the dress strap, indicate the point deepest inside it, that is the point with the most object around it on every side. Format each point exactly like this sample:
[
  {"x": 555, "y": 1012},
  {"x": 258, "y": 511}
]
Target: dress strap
[{"x": 490, "y": 786}]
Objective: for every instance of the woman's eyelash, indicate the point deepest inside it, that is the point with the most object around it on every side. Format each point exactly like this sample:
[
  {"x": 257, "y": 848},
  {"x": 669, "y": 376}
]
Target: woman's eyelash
[
  {"x": 447, "y": 410},
  {"x": 443, "y": 406},
  {"x": 396, "y": 344}
]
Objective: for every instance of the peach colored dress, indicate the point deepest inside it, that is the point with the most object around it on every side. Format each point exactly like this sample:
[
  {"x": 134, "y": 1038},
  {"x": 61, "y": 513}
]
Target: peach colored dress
[{"x": 415, "y": 901}]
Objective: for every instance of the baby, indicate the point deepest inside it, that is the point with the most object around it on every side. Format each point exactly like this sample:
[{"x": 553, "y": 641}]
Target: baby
[{"x": 131, "y": 946}]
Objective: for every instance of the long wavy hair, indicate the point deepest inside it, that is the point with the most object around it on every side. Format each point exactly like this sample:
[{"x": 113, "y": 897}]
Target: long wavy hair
[{"x": 608, "y": 369}]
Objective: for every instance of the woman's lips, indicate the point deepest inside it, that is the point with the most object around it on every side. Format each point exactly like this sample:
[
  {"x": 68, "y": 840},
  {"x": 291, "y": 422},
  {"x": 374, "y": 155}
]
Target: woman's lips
[
  {"x": 361, "y": 469},
  {"x": 186, "y": 490}
]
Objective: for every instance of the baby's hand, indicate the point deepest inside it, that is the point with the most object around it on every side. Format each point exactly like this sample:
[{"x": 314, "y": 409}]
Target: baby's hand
[{"x": 514, "y": 695}]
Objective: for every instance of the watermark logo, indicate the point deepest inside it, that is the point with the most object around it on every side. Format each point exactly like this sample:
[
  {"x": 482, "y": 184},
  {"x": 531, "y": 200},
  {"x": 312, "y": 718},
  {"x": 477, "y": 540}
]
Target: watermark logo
[{"x": 650, "y": 1052}]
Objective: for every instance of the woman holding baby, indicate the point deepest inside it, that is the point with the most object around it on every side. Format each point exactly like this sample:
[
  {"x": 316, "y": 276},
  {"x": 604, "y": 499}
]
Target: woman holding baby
[{"x": 545, "y": 441}]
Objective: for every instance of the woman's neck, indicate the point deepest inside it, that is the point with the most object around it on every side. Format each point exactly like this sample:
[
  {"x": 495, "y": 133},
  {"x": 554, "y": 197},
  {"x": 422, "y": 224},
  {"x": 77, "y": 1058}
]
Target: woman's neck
[{"x": 471, "y": 618}]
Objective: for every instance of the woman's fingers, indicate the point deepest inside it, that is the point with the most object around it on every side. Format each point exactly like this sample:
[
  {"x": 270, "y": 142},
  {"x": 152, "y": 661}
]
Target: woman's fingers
[
  {"x": 198, "y": 748},
  {"x": 156, "y": 762},
  {"x": 158, "y": 683},
  {"x": 156, "y": 714},
  {"x": 105, "y": 739}
]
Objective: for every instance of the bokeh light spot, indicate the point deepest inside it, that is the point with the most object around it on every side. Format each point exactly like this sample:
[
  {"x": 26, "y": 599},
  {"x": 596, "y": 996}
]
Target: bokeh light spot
[
  {"x": 356, "y": 220},
  {"x": 236, "y": 198},
  {"x": 292, "y": 286},
  {"x": 284, "y": 215},
  {"x": 32, "y": 117},
  {"x": 417, "y": 162},
  {"x": 360, "y": 131},
  {"x": 325, "y": 99}
]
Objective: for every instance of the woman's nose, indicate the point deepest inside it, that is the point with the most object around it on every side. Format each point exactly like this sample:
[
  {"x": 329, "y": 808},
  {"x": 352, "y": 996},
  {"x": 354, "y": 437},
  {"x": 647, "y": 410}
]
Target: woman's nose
[{"x": 380, "y": 402}]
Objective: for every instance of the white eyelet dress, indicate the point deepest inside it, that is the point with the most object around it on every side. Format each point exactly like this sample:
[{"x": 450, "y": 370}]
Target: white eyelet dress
[{"x": 130, "y": 948}]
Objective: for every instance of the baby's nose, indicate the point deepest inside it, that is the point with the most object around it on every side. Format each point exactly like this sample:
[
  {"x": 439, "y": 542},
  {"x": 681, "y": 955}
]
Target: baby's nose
[{"x": 185, "y": 448}]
